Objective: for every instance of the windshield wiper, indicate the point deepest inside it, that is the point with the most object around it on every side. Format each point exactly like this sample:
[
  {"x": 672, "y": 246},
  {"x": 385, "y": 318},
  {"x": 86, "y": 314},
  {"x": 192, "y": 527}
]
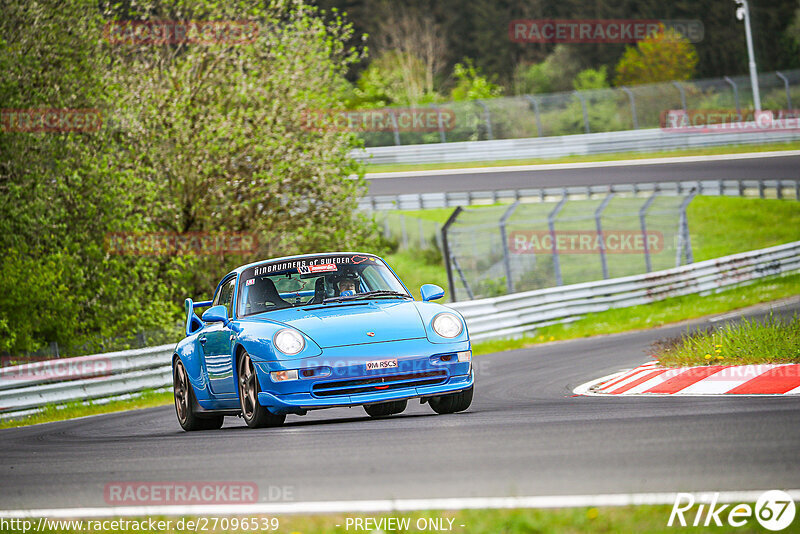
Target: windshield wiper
[{"x": 368, "y": 295}]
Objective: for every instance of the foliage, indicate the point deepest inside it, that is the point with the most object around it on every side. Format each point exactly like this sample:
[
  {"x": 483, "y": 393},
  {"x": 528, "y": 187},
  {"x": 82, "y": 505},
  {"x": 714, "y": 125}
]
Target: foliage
[
  {"x": 472, "y": 84},
  {"x": 197, "y": 138},
  {"x": 744, "y": 343},
  {"x": 589, "y": 79},
  {"x": 555, "y": 73},
  {"x": 662, "y": 56}
]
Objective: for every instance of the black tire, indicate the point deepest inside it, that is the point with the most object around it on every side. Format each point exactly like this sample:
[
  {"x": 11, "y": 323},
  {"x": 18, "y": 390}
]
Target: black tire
[
  {"x": 454, "y": 402},
  {"x": 385, "y": 409},
  {"x": 186, "y": 405},
  {"x": 255, "y": 415}
]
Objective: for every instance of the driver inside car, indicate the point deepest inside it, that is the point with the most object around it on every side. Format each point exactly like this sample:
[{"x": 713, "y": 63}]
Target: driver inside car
[{"x": 347, "y": 285}]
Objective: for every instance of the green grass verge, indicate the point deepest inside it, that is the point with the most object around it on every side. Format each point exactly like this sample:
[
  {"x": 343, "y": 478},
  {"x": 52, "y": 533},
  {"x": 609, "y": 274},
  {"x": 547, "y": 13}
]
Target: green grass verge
[
  {"x": 617, "y": 156},
  {"x": 653, "y": 315},
  {"x": 743, "y": 343},
  {"x": 53, "y": 412},
  {"x": 651, "y": 519}
]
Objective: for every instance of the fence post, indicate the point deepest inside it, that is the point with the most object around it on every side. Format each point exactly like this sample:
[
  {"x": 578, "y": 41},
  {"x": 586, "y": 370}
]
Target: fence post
[
  {"x": 551, "y": 224},
  {"x": 504, "y": 240},
  {"x": 683, "y": 95},
  {"x": 735, "y": 96},
  {"x": 585, "y": 111},
  {"x": 643, "y": 224},
  {"x": 487, "y": 119},
  {"x": 684, "y": 229},
  {"x": 442, "y": 138},
  {"x": 539, "y": 130},
  {"x": 446, "y": 251},
  {"x": 597, "y": 215},
  {"x": 395, "y": 128},
  {"x": 404, "y": 230},
  {"x": 633, "y": 107},
  {"x": 788, "y": 93}
]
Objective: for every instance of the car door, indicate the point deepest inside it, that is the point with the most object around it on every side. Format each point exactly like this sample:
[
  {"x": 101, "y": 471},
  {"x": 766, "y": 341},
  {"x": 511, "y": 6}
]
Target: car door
[{"x": 216, "y": 342}]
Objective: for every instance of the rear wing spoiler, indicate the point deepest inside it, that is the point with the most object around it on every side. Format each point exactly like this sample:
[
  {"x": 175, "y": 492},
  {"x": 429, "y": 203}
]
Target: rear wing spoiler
[{"x": 193, "y": 322}]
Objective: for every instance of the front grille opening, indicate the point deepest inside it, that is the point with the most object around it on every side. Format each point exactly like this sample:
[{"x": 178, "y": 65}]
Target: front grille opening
[{"x": 378, "y": 383}]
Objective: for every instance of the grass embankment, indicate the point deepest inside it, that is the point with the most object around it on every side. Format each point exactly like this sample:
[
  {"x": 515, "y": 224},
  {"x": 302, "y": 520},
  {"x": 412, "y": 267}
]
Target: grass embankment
[
  {"x": 51, "y": 412},
  {"x": 650, "y": 519},
  {"x": 617, "y": 156},
  {"x": 653, "y": 315},
  {"x": 743, "y": 343}
]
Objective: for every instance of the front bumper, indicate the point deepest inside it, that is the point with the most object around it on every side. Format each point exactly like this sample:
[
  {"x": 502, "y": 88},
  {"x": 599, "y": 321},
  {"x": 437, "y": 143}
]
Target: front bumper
[{"x": 423, "y": 370}]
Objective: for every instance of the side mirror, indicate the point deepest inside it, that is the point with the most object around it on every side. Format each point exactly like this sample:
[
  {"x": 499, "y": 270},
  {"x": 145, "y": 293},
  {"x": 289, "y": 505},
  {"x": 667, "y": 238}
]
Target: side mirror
[
  {"x": 216, "y": 314},
  {"x": 431, "y": 292}
]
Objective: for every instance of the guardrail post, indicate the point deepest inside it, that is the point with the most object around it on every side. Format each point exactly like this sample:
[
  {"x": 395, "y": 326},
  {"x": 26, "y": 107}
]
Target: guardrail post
[
  {"x": 551, "y": 224},
  {"x": 533, "y": 100},
  {"x": 487, "y": 119},
  {"x": 597, "y": 215},
  {"x": 395, "y": 128},
  {"x": 683, "y": 95},
  {"x": 504, "y": 240},
  {"x": 585, "y": 111},
  {"x": 735, "y": 96},
  {"x": 797, "y": 189},
  {"x": 446, "y": 251},
  {"x": 685, "y": 245},
  {"x": 442, "y": 138},
  {"x": 779, "y": 190},
  {"x": 786, "y": 86},
  {"x": 643, "y": 224},
  {"x": 633, "y": 106}
]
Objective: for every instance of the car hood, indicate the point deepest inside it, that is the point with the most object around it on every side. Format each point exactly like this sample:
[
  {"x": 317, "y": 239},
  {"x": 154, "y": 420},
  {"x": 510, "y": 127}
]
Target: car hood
[{"x": 338, "y": 324}]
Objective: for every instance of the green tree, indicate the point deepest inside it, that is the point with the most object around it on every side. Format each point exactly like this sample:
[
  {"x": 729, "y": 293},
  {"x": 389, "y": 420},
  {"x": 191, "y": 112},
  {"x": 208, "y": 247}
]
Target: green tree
[
  {"x": 472, "y": 84},
  {"x": 663, "y": 56}
]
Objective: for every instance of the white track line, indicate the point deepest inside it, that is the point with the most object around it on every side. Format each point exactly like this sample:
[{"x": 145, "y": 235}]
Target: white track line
[
  {"x": 389, "y": 506},
  {"x": 583, "y": 165}
]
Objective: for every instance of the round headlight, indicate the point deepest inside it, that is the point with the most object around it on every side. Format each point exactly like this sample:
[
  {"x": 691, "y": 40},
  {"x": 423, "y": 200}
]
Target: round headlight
[
  {"x": 447, "y": 325},
  {"x": 289, "y": 341}
]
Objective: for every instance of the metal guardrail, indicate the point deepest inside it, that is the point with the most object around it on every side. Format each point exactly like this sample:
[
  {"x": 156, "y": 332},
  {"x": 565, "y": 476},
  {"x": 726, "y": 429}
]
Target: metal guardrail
[
  {"x": 651, "y": 140},
  {"x": 738, "y": 188},
  {"x": 26, "y": 388},
  {"x": 513, "y": 315}
]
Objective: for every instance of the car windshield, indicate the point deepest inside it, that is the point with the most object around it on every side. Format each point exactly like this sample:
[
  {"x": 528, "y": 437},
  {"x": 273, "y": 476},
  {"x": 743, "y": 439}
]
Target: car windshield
[{"x": 316, "y": 280}]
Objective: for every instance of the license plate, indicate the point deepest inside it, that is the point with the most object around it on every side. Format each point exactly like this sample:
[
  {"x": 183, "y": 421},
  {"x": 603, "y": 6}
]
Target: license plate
[{"x": 381, "y": 364}]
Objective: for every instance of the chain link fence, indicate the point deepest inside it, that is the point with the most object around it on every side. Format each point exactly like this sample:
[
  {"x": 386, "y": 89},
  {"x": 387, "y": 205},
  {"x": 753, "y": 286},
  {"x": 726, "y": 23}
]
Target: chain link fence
[
  {"x": 497, "y": 250},
  {"x": 578, "y": 112}
]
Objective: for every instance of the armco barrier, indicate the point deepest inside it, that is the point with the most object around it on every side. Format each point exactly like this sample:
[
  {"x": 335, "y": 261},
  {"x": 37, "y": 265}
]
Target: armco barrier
[
  {"x": 29, "y": 386},
  {"x": 150, "y": 368},
  {"x": 515, "y": 314},
  {"x": 788, "y": 189},
  {"x": 652, "y": 140}
]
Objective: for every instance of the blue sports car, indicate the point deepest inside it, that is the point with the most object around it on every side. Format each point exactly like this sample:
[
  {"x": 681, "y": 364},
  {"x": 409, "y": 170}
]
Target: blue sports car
[{"x": 301, "y": 333}]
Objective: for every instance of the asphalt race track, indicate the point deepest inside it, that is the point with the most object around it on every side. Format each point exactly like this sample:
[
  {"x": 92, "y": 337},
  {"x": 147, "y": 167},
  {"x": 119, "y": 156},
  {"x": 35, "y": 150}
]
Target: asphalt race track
[
  {"x": 525, "y": 434},
  {"x": 759, "y": 168}
]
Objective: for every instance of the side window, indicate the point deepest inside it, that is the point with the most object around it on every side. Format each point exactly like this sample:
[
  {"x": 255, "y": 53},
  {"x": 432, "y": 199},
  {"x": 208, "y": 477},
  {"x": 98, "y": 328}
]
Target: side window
[{"x": 225, "y": 296}]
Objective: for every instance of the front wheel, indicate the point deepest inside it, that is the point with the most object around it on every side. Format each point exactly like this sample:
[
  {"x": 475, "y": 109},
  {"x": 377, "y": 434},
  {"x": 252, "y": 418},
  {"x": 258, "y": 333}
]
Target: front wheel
[
  {"x": 454, "y": 402},
  {"x": 385, "y": 409},
  {"x": 185, "y": 403},
  {"x": 255, "y": 415}
]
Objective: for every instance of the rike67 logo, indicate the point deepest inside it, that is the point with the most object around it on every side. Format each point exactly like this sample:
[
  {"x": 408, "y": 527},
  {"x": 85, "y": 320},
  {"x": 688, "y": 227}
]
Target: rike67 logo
[{"x": 774, "y": 510}]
